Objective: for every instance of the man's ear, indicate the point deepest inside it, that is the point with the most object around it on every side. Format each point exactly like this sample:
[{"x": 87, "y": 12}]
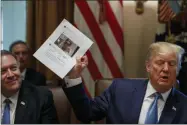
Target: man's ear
[{"x": 148, "y": 66}]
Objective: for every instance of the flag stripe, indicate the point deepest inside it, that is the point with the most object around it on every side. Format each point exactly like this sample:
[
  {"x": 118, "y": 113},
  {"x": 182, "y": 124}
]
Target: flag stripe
[
  {"x": 86, "y": 89},
  {"x": 163, "y": 5},
  {"x": 95, "y": 52},
  {"x": 116, "y": 29},
  {"x": 92, "y": 67},
  {"x": 109, "y": 37},
  {"x": 95, "y": 75},
  {"x": 88, "y": 82},
  {"x": 165, "y": 11},
  {"x": 106, "y": 54},
  {"x": 121, "y": 2},
  {"x": 118, "y": 13},
  {"x": 93, "y": 26},
  {"x": 111, "y": 41}
]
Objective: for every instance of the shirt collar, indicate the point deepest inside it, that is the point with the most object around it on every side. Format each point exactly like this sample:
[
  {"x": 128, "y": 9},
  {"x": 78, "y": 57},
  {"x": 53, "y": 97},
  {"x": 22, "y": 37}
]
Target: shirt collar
[
  {"x": 150, "y": 91},
  {"x": 13, "y": 98},
  {"x": 23, "y": 74}
]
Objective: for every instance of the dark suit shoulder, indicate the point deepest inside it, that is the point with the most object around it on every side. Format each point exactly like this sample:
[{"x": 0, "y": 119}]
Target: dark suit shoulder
[
  {"x": 128, "y": 84},
  {"x": 36, "y": 90},
  {"x": 181, "y": 101},
  {"x": 30, "y": 70},
  {"x": 33, "y": 71},
  {"x": 39, "y": 94},
  {"x": 40, "y": 103},
  {"x": 35, "y": 77},
  {"x": 130, "y": 80},
  {"x": 181, "y": 97}
]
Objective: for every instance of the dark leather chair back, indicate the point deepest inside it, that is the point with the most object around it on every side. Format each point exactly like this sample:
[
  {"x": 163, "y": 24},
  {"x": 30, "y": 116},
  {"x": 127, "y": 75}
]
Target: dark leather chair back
[
  {"x": 64, "y": 110},
  {"x": 100, "y": 86}
]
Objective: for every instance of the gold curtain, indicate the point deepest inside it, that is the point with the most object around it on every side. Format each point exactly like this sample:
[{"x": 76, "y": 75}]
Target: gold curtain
[{"x": 43, "y": 16}]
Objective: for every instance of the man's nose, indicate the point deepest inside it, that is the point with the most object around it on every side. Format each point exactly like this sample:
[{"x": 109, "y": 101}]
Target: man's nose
[
  {"x": 20, "y": 55},
  {"x": 166, "y": 67},
  {"x": 9, "y": 73}
]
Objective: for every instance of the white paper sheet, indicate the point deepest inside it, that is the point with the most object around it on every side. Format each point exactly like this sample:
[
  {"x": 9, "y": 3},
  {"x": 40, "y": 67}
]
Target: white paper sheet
[{"x": 60, "y": 50}]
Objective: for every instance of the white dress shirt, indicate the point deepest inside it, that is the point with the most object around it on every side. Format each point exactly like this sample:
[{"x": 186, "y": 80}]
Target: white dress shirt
[
  {"x": 13, "y": 105},
  {"x": 23, "y": 74},
  {"x": 148, "y": 100},
  {"x": 72, "y": 82}
]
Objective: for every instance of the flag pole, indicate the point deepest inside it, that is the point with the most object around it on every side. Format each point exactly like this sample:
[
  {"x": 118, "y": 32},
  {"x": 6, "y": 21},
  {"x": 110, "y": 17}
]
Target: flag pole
[
  {"x": 170, "y": 38},
  {"x": 169, "y": 30}
]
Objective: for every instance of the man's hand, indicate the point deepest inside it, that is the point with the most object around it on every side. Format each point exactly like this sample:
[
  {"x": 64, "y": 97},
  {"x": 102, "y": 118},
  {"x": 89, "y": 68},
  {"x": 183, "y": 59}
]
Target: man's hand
[{"x": 78, "y": 68}]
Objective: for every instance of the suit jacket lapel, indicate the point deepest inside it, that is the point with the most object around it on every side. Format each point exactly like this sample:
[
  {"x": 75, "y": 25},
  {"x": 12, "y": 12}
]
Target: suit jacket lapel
[
  {"x": 22, "y": 105},
  {"x": 170, "y": 109},
  {"x": 137, "y": 101},
  {"x": 27, "y": 74}
]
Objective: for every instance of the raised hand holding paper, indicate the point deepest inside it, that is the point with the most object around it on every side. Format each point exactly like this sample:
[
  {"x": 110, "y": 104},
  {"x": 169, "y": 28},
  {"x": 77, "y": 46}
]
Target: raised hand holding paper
[{"x": 60, "y": 50}]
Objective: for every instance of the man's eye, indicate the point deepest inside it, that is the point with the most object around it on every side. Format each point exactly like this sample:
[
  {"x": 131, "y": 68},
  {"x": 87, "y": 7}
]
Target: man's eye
[
  {"x": 160, "y": 62},
  {"x": 16, "y": 53},
  {"x": 14, "y": 68},
  {"x": 3, "y": 71},
  {"x": 172, "y": 63}
]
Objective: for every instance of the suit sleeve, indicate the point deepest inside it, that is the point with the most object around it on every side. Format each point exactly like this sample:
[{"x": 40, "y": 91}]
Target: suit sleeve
[
  {"x": 87, "y": 109},
  {"x": 48, "y": 113}
]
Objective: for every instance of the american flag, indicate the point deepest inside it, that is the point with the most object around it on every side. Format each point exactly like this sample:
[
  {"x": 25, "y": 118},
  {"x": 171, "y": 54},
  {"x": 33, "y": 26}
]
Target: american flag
[
  {"x": 101, "y": 21},
  {"x": 165, "y": 12}
]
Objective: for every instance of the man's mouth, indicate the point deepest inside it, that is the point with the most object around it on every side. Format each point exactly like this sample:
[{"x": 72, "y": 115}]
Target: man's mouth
[
  {"x": 164, "y": 78},
  {"x": 12, "y": 81},
  {"x": 21, "y": 61}
]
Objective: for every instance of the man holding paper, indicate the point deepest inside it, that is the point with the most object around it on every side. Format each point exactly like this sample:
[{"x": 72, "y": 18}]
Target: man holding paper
[{"x": 129, "y": 101}]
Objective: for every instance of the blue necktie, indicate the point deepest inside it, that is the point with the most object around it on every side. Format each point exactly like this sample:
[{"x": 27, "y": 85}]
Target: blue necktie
[
  {"x": 152, "y": 114},
  {"x": 6, "y": 113}
]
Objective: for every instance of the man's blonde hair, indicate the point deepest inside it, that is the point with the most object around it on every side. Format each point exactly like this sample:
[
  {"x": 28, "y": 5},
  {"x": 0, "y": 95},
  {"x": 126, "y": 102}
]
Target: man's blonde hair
[{"x": 159, "y": 47}]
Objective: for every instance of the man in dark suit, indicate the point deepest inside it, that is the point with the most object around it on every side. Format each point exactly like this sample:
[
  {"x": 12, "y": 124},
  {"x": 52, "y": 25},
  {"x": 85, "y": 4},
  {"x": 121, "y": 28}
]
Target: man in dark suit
[
  {"x": 183, "y": 78},
  {"x": 21, "y": 101},
  {"x": 128, "y": 101},
  {"x": 21, "y": 50}
]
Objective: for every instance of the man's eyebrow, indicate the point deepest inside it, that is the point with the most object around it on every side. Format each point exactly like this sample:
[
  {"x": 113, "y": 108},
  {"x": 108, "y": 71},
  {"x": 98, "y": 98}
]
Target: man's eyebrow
[{"x": 12, "y": 65}]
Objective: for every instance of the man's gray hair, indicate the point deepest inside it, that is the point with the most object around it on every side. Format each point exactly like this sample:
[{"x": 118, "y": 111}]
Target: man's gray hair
[{"x": 158, "y": 47}]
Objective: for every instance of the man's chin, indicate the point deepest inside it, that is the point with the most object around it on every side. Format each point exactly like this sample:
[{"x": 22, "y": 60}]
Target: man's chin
[
  {"x": 165, "y": 84},
  {"x": 12, "y": 82},
  {"x": 15, "y": 88},
  {"x": 14, "y": 85}
]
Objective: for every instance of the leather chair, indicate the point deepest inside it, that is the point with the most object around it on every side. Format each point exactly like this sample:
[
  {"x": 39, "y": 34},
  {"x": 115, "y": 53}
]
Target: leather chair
[
  {"x": 100, "y": 86},
  {"x": 64, "y": 110}
]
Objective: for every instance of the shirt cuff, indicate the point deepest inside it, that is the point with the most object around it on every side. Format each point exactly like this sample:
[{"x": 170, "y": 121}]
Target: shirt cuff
[{"x": 72, "y": 82}]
